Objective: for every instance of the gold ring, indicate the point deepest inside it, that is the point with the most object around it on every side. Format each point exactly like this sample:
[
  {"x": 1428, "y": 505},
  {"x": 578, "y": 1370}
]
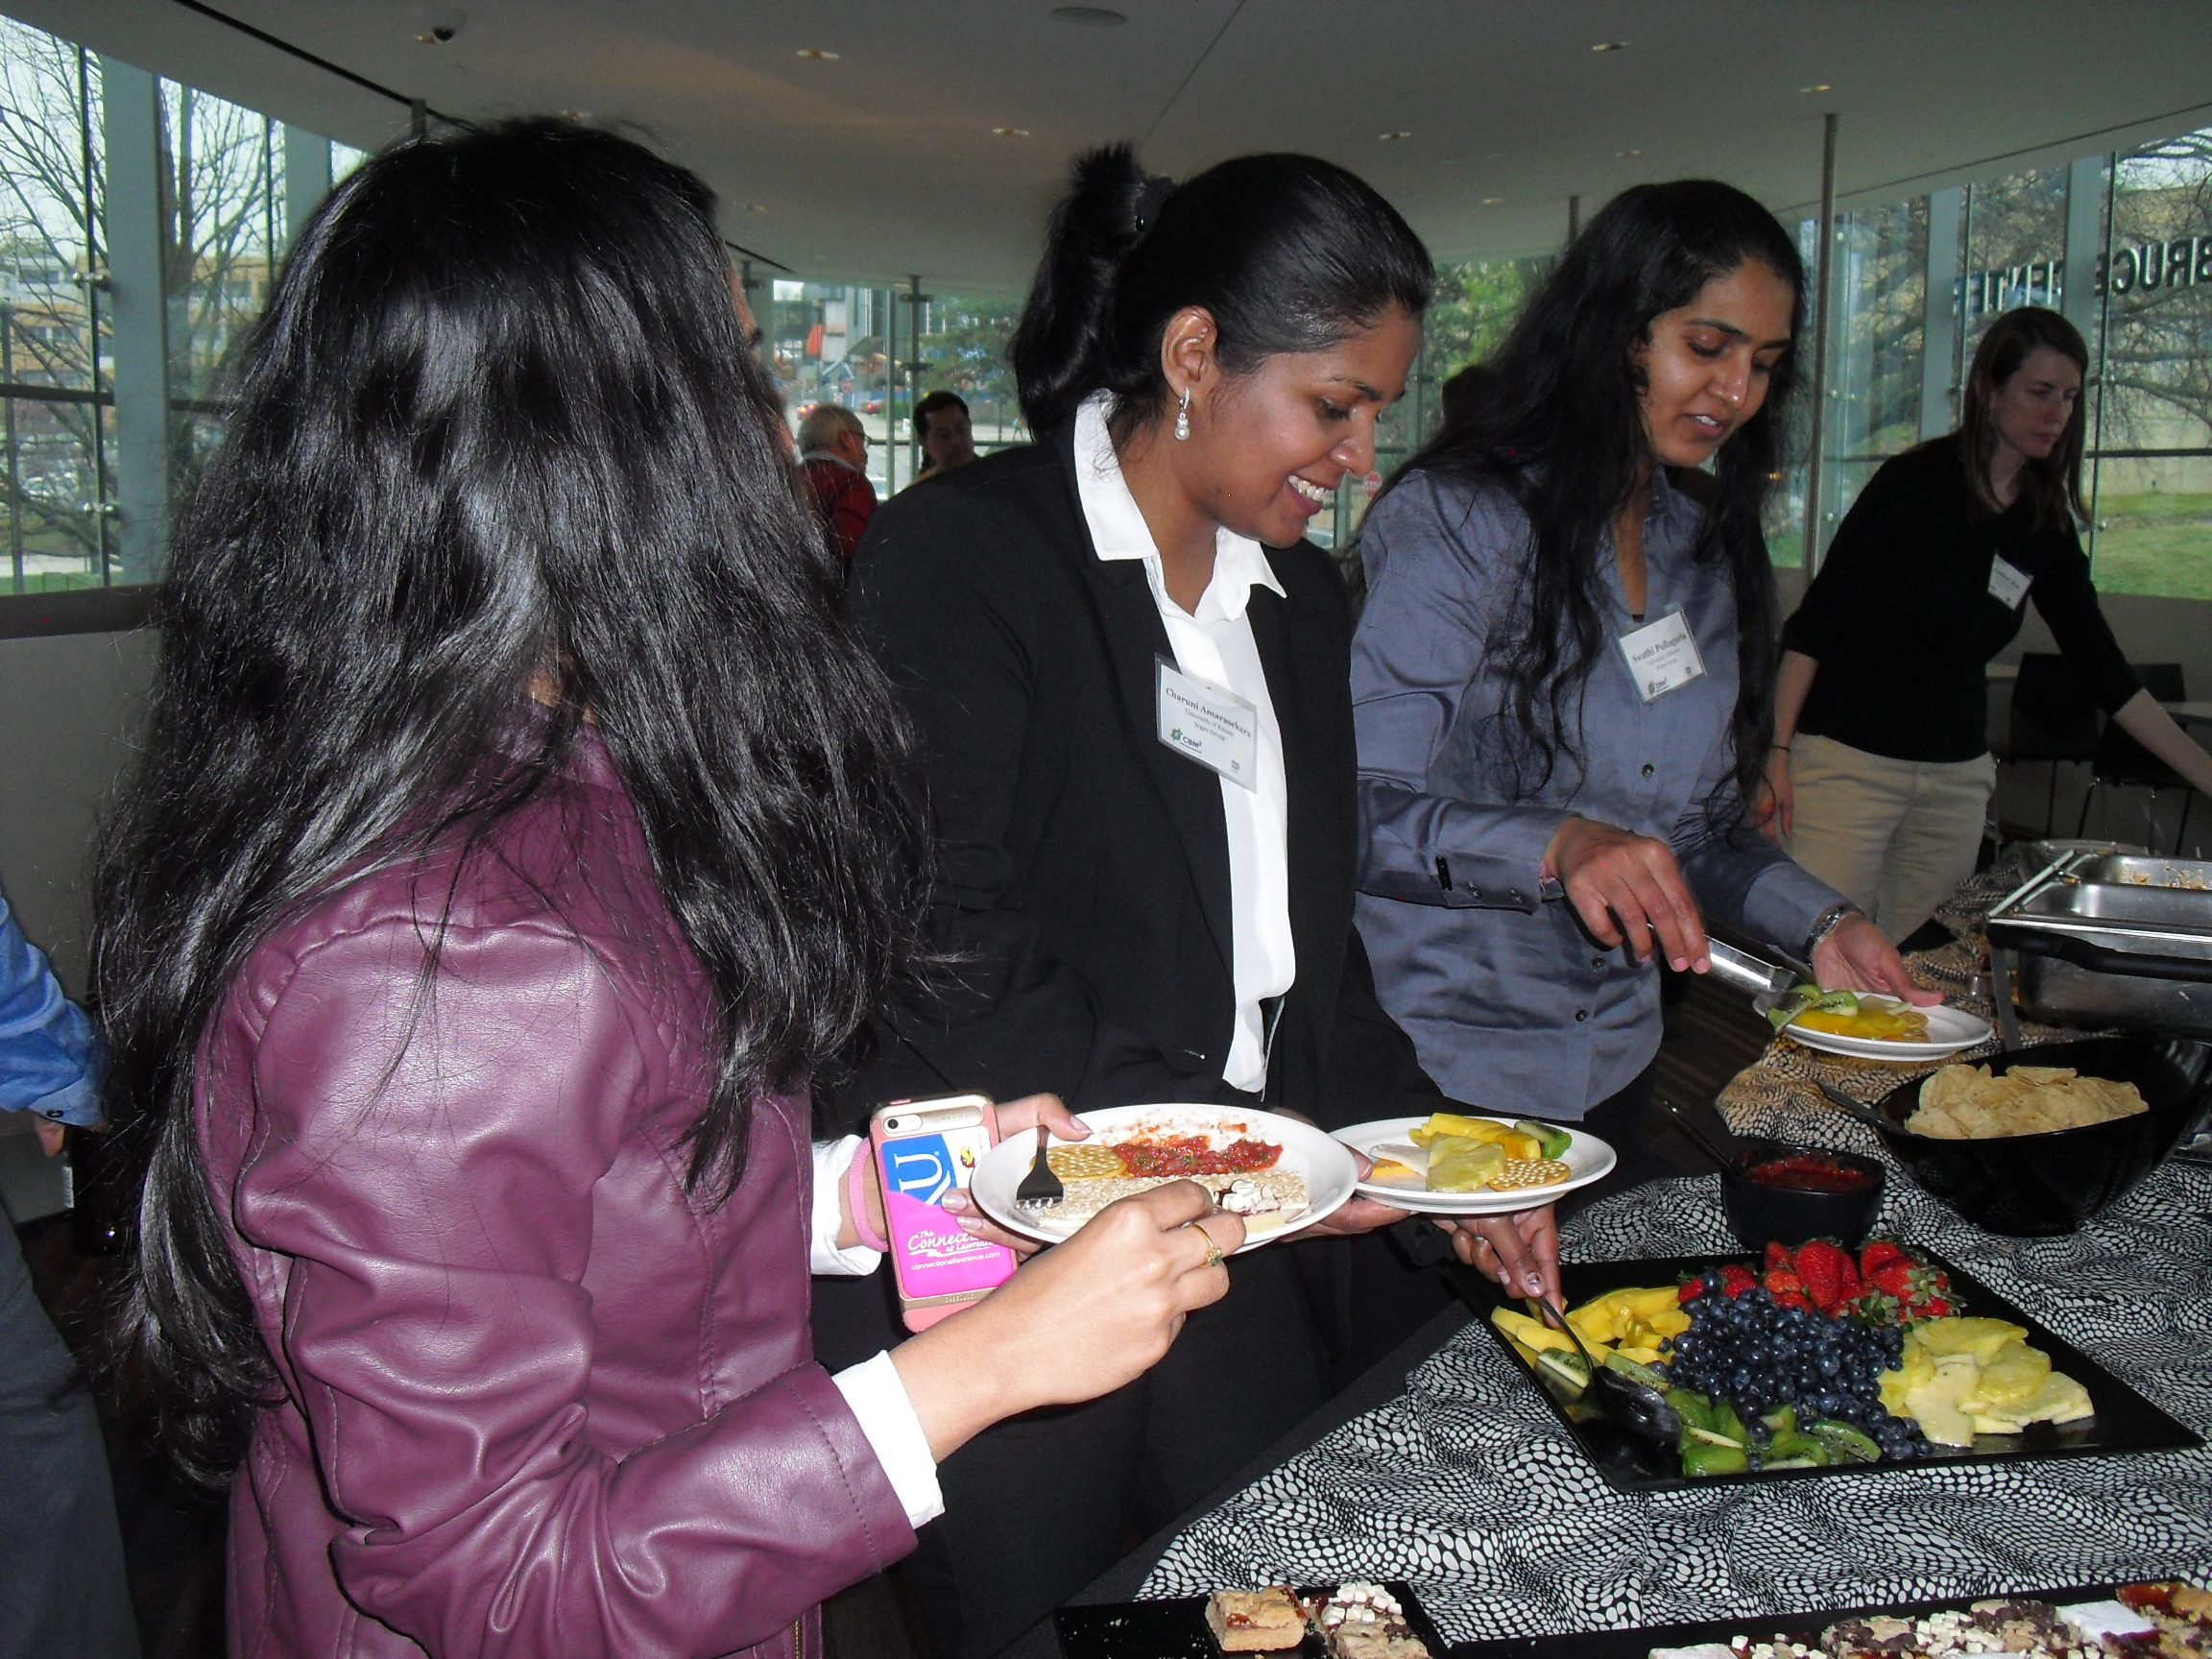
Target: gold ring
[{"x": 1213, "y": 1256}]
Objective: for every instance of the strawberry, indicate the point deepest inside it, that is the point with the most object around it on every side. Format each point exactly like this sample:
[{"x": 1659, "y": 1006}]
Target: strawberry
[
  {"x": 1783, "y": 1281},
  {"x": 1778, "y": 1256},
  {"x": 1828, "y": 1274},
  {"x": 1792, "y": 1299},
  {"x": 1921, "y": 1291},
  {"x": 1879, "y": 1253},
  {"x": 1687, "y": 1291},
  {"x": 1734, "y": 1281},
  {"x": 1873, "y": 1308}
]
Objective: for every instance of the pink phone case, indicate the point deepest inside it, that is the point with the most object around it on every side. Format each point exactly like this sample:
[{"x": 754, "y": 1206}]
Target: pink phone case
[{"x": 940, "y": 1268}]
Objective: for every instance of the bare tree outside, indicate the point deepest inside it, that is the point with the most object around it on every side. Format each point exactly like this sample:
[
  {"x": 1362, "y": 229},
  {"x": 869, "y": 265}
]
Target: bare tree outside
[{"x": 51, "y": 185}]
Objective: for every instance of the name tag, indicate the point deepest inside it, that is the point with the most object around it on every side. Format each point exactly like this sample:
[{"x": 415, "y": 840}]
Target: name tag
[
  {"x": 1662, "y": 656},
  {"x": 1211, "y": 724},
  {"x": 2007, "y": 584}
]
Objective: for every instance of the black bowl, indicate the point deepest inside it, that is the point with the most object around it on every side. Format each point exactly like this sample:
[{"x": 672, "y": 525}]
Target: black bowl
[
  {"x": 1761, "y": 1215},
  {"x": 2034, "y": 1185}
]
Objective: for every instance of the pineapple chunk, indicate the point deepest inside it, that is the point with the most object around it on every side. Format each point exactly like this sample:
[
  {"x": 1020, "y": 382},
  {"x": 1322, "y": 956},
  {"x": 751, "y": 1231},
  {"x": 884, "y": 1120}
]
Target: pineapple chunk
[
  {"x": 1935, "y": 1404},
  {"x": 1457, "y": 1165},
  {"x": 1454, "y": 1125},
  {"x": 1529, "y": 1334},
  {"x": 2060, "y": 1400},
  {"x": 1982, "y": 1339},
  {"x": 2014, "y": 1375}
]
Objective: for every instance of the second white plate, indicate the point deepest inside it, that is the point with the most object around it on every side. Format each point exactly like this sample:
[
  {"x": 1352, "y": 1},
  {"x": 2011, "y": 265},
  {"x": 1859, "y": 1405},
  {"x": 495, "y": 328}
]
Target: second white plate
[
  {"x": 1588, "y": 1158},
  {"x": 1949, "y": 1030}
]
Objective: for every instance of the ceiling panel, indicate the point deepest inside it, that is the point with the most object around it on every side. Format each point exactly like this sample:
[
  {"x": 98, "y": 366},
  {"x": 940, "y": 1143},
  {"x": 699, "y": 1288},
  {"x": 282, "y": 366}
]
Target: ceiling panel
[{"x": 883, "y": 160}]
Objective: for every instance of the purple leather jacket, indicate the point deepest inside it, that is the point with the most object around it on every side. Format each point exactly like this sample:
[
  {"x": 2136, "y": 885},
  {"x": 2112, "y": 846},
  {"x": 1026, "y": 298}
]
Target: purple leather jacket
[{"x": 538, "y": 1401}]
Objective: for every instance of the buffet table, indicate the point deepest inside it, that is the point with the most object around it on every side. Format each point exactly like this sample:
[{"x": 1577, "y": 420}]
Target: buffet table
[{"x": 1466, "y": 1484}]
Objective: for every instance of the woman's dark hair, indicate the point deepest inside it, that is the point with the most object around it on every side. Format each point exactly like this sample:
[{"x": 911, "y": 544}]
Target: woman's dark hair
[
  {"x": 2051, "y": 485},
  {"x": 498, "y": 431},
  {"x": 1557, "y": 420},
  {"x": 1288, "y": 252}
]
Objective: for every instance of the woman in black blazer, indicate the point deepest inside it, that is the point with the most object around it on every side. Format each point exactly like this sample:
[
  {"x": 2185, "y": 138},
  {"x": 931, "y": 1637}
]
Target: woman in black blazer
[{"x": 1126, "y": 923}]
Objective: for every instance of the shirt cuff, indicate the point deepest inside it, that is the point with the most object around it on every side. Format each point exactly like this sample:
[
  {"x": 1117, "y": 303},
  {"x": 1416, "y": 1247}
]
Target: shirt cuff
[
  {"x": 877, "y": 1396},
  {"x": 79, "y": 1106},
  {"x": 831, "y": 1160},
  {"x": 1784, "y": 902}
]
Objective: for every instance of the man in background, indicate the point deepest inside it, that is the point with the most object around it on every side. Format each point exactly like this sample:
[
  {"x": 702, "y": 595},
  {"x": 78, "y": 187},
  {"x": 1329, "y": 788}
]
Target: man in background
[
  {"x": 61, "y": 1586},
  {"x": 947, "y": 439},
  {"x": 834, "y": 461}
]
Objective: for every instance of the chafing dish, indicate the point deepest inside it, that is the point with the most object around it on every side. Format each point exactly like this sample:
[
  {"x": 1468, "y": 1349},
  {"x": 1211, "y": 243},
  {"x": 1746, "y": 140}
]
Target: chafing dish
[{"x": 2109, "y": 939}]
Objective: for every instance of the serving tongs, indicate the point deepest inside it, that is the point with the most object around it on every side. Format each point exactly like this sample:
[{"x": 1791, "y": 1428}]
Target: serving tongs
[
  {"x": 1620, "y": 1399},
  {"x": 1748, "y": 972}
]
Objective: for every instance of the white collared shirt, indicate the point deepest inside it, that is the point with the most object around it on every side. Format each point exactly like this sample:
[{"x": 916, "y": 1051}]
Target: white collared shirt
[{"x": 1215, "y": 644}]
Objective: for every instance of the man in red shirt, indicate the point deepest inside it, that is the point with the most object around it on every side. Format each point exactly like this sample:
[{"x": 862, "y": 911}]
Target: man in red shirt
[{"x": 834, "y": 461}]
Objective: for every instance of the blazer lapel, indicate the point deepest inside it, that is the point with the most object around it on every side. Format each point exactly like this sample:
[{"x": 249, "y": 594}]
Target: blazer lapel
[{"x": 1135, "y": 639}]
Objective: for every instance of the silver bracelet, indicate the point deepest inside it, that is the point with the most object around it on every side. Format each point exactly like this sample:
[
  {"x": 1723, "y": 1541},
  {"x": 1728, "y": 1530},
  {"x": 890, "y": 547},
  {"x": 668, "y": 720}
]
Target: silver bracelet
[{"x": 1828, "y": 920}]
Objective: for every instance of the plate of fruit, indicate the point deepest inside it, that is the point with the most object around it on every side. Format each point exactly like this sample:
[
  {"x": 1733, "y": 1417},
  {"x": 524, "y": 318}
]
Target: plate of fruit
[
  {"x": 1817, "y": 1360},
  {"x": 1457, "y": 1163},
  {"x": 1868, "y": 1028}
]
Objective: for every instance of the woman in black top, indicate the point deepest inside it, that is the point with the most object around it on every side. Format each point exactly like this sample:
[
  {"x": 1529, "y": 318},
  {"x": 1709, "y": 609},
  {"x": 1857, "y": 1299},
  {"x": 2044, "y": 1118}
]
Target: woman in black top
[
  {"x": 1881, "y": 770},
  {"x": 1125, "y": 922}
]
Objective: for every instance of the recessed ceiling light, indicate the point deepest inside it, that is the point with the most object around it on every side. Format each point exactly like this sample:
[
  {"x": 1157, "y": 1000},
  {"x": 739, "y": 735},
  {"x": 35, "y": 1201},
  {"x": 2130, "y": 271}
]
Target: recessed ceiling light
[
  {"x": 1492, "y": 201},
  {"x": 1625, "y": 154},
  {"x": 756, "y": 207},
  {"x": 1091, "y": 16},
  {"x": 1390, "y": 137},
  {"x": 1818, "y": 87},
  {"x": 816, "y": 55},
  {"x": 1009, "y": 132},
  {"x": 1609, "y": 46}
]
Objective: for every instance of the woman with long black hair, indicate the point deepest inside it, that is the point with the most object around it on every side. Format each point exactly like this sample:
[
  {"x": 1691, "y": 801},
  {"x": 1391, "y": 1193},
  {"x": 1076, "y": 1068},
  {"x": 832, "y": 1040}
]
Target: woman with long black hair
[
  {"x": 1202, "y": 364},
  {"x": 1564, "y": 678},
  {"x": 518, "y": 833}
]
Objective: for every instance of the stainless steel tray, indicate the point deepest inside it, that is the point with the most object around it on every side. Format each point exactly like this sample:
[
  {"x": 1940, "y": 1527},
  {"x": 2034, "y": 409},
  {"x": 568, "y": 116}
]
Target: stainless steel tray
[
  {"x": 2100, "y": 910},
  {"x": 2109, "y": 939}
]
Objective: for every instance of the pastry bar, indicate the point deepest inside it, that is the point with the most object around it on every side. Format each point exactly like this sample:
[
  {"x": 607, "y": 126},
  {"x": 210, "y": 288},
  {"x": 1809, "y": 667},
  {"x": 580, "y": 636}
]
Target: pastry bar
[{"x": 1266, "y": 1621}]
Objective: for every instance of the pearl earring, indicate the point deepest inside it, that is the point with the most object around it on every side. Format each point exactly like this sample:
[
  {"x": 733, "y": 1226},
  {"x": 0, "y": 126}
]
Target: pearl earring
[{"x": 1182, "y": 416}]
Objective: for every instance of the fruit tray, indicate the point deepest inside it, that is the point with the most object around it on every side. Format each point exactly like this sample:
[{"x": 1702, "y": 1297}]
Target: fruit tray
[
  {"x": 1804, "y": 1628},
  {"x": 1177, "y": 1630},
  {"x": 2123, "y": 1421}
]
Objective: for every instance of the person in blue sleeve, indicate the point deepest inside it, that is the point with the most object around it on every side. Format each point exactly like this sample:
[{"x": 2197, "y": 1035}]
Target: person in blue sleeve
[
  {"x": 61, "y": 1588},
  {"x": 1562, "y": 681}
]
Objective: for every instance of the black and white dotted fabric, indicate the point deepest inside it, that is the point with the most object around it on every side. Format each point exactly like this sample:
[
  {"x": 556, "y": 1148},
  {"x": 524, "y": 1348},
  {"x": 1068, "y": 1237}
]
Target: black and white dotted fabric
[{"x": 1468, "y": 1486}]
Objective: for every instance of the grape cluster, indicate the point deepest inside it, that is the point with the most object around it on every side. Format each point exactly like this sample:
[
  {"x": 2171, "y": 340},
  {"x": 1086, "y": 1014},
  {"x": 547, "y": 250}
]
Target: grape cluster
[{"x": 1749, "y": 1350}]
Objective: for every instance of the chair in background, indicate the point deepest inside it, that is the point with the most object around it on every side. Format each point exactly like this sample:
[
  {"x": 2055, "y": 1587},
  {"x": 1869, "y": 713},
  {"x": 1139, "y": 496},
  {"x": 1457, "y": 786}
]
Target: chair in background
[
  {"x": 2126, "y": 764},
  {"x": 2052, "y": 719}
]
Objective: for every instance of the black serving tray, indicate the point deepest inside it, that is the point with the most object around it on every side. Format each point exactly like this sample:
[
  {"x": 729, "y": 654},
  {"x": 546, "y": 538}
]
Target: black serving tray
[
  {"x": 1177, "y": 1630},
  {"x": 1805, "y": 1628},
  {"x": 2125, "y": 1421}
]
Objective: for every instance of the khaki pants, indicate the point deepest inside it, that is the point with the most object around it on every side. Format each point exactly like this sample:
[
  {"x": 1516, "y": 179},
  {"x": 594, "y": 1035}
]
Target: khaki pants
[{"x": 1893, "y": 836}]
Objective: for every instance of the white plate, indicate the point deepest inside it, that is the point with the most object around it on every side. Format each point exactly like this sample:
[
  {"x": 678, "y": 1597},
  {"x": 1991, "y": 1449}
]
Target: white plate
[
  {"x": 1327, "y": 1167},
  {"x": 1588, "y": 1158},
  {"x": 1949, "y": 1030}
]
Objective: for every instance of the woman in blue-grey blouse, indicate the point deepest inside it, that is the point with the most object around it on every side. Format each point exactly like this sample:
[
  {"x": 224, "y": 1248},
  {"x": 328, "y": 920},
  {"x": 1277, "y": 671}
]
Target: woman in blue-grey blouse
[{"x": 1559, "y": 740}]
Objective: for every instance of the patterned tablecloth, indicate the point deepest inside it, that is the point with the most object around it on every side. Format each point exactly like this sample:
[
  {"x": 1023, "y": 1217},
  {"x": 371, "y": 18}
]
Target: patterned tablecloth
[{"x": 1467, "y": 1485}]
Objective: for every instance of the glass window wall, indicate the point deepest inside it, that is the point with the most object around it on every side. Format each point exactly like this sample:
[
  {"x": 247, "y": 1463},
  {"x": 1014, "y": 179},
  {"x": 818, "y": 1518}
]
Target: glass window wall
[
  {"x": 1914, "y": 285},
  {"x": 55, "y": 404}
]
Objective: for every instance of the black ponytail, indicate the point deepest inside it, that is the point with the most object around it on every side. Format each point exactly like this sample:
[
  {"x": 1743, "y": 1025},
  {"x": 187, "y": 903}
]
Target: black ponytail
[{"x": 1286, "y": 252}]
